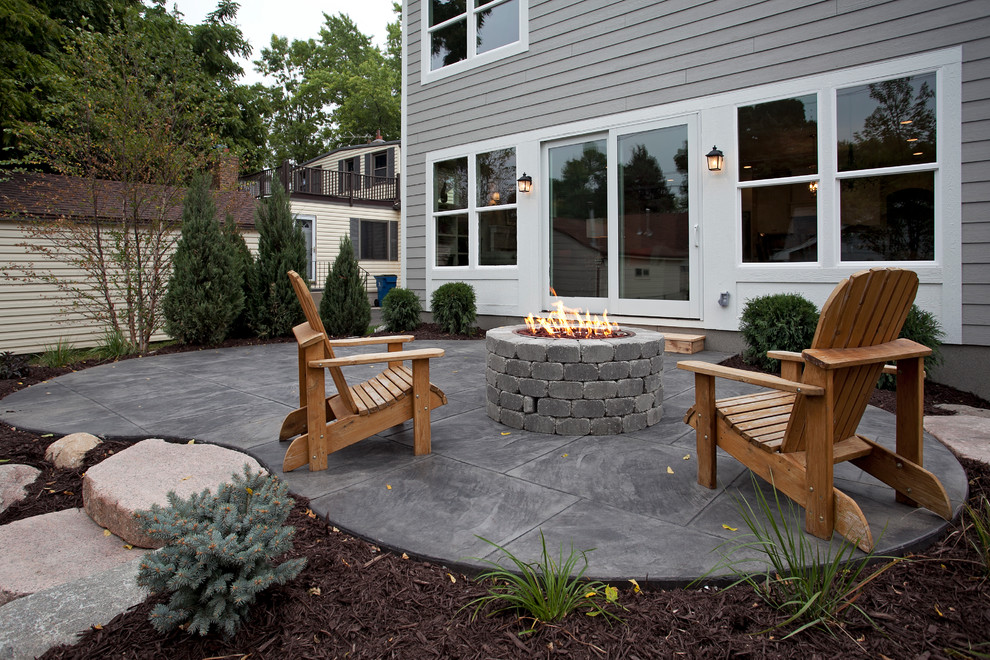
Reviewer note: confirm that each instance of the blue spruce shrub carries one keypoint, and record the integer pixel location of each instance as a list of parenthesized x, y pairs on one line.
[(219, 552)]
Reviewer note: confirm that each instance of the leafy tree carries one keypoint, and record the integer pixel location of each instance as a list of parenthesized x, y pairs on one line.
[(241, 273), (331, 90), (204, 293), (344, 308), (272, 305)]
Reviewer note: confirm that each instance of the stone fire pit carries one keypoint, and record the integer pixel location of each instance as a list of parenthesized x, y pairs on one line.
[(574, 386)]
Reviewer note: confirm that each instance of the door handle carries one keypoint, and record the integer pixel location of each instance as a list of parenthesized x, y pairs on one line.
[(697, 235)]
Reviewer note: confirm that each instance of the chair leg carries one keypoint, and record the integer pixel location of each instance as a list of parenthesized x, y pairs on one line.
[(316, 411), (910, 411), (820, 507), (704, 406), (421, 406)]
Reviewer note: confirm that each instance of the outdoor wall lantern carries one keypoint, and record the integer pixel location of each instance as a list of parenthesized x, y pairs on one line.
[(525, 183), (715, 159)]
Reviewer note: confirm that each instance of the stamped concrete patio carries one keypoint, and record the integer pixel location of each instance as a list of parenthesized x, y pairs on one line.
[(632, 497)]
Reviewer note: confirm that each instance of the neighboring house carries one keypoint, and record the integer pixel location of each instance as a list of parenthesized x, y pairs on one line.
[(854, 134), (349, 191), (31, 317)]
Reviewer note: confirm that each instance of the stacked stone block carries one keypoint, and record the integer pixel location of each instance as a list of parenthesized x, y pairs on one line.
[(574, 386)]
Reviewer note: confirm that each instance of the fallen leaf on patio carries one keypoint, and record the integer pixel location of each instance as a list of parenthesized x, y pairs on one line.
[(344, 562), (309, 512), (107, 532), (670, 470), (314, 591), (191, 442), (731, 529), (635, 585), (452, 578), (389, 486), (97, 626), (563, 455), (938, 610), (185, 478), (687, 457), (48, 435), (128, 546), (336, 531), (405, 556), (506, 433)]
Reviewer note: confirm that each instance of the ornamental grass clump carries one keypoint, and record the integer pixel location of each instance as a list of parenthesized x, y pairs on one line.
[(401, 310), (454, 308), (219, 553), (813, 583), (978, 530), (544, 591), (777, 322)]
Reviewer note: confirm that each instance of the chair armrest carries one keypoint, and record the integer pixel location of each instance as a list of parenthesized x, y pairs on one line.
[(368, 341), (752, 377), (306, 335), (372, 358), (785, 356), (839, 358)]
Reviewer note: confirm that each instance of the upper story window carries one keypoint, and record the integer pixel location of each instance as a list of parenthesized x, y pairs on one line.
[(474, 209), (380, 165), (463, 33)]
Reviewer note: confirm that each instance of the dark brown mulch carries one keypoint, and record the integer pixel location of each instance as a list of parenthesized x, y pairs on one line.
[(433, 331), (354, 601), (935, 393)]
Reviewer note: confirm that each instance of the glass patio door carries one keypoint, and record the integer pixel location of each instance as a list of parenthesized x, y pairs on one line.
[(623, 234)]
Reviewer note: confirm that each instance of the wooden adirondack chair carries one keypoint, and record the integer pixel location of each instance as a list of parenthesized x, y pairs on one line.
[(355, 412), (794, 435)]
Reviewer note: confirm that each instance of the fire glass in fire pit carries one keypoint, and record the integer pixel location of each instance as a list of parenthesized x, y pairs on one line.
[(566, 386)]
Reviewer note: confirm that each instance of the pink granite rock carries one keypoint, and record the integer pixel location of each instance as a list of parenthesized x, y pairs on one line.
[(14, 480), (143, 474), (966, 435), (69, 451), (52, 549)]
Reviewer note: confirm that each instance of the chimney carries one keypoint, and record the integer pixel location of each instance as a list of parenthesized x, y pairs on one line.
[(378, 138), (226, 171)]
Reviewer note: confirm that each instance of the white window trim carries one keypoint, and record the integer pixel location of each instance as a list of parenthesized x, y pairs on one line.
[(474, 60), (495, 271)]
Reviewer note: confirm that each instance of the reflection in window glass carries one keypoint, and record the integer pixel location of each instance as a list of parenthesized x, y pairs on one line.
[(778, 139), (374, 240), (497, 237), (452, 240), (444, 10), (496, 178), (498, 26), (578, 219), (450, 184), (888, 218), (653, 221), (448, 45), (886, 124), (780, 223)]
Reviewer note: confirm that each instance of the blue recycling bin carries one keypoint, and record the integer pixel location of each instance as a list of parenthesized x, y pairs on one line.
[(385, 283)]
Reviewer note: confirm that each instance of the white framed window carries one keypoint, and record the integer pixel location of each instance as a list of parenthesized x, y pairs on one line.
[(474, 210), (462, 34), (874, 164)]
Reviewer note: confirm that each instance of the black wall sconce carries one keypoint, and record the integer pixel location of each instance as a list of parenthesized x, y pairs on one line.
[(525, 183), (715, 159)]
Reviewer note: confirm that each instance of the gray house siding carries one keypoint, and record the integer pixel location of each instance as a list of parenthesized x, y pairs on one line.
[(597, 58)]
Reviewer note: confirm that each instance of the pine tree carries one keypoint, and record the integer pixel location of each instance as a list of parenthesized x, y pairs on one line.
[(344, 308), (243, 264), (202, 298), (273, 308), (219, 552)]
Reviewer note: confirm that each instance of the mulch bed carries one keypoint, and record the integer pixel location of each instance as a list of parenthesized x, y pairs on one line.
[(354, 600)]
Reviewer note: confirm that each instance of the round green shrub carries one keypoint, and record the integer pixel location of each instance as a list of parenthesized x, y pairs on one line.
[(777, 322), (453, 307), (924, 328), (401, 310)]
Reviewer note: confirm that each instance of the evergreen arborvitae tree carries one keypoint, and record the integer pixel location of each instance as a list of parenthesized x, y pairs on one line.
[(243, 263), (273, 308), (219, 552), (344, 308), (202, 298)]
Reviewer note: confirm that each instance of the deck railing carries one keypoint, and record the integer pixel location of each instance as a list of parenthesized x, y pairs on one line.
[(326, 183)]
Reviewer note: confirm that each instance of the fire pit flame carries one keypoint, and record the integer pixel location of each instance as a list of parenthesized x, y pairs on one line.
[(567, 322)]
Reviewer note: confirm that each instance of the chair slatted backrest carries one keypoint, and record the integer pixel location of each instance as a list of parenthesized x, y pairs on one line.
[(867, 309), (313, 318)]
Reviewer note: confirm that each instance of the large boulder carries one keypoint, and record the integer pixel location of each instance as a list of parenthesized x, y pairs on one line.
[(143, 474), (14, 480), (68, 452), (54, 548)]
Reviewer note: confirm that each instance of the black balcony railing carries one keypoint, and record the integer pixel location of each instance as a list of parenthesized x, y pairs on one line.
[(325, 183)]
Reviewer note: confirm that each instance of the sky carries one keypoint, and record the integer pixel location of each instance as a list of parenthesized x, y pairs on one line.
[(295, 19)]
